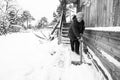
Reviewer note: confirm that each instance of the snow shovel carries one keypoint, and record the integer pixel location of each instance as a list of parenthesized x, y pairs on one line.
[(81, 55), (80, 52)]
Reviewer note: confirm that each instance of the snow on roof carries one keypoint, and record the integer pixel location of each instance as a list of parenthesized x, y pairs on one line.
[(113, 29)]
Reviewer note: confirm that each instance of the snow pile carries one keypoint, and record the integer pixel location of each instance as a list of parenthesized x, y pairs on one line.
[(82, 72), (23, 57), (62, 69), (113, 29)]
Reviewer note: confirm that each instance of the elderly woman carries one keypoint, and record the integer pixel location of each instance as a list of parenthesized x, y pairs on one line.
[(76, 28)]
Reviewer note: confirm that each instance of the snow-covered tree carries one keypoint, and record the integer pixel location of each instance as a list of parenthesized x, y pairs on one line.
[(5, 7), (55, 18), (12, 17), (26, 17), (43, 22)]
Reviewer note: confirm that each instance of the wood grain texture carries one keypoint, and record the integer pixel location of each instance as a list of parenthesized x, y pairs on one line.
[(102, 13), (108, 42)]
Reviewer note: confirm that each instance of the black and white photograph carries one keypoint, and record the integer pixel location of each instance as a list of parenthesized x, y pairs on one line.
[(59, 39)]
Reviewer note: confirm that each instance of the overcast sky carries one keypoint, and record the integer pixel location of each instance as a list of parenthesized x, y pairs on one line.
[(39, 8)]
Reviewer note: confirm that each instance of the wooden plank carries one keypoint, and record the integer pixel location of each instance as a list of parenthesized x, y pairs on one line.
[(107, 33), (102, 13), (109, 13), (107, 40), (55, 27), (64, 35), (110, 42), (112, 69), (110, 50), (66, 25), (64, 38), (114, 36), (66, 31), (87, 18), (115, 16), (65, 28), (114, 52)]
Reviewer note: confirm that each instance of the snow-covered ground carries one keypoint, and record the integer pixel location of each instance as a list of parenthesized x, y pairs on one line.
[(23, 56)]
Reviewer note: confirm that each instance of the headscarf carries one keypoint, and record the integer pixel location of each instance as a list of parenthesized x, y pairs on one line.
[(80, 15)]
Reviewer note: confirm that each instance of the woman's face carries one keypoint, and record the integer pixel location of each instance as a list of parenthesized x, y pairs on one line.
[(79, 18)]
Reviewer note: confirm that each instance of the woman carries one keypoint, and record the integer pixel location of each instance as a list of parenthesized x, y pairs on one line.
[(76, 28)]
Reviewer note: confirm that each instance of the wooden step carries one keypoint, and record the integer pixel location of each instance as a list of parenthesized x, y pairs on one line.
[(64, 35), (64, 38), (65, 31), (65, 28), (65, 42)]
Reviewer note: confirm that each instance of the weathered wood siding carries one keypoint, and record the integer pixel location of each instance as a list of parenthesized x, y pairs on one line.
[(102, 13), (106, 41), (116, 9)]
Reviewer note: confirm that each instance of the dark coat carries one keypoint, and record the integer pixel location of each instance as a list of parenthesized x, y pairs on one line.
[(75, 29)]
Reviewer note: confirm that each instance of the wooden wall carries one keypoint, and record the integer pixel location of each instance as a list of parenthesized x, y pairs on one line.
[(116, 9), (109, 42), (102, 13)]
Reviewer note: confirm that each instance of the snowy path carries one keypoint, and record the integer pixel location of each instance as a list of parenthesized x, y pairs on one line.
[(24, 57)]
